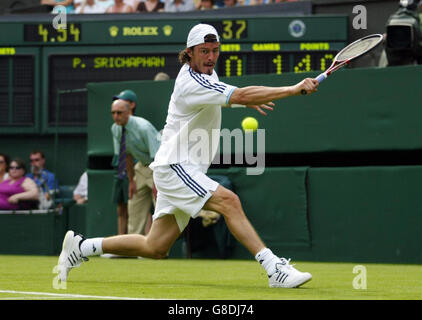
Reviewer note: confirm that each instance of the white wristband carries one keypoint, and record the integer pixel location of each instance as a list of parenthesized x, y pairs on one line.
[(237, 106)]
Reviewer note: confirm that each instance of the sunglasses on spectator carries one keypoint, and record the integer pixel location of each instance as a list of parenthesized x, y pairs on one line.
[(2, 161), (14, 168), (35, 160)]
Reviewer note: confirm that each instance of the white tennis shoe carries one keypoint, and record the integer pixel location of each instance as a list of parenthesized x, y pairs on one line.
[(286, 276), (71, 255)]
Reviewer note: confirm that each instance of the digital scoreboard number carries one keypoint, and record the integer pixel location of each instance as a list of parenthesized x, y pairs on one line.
[(272, 58), (46, 33), (230, 29)]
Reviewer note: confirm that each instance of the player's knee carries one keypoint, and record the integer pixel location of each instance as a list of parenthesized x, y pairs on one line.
[(231, 204), (159, 253)]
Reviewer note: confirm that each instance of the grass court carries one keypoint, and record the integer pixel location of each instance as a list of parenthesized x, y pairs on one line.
[(31, 278)]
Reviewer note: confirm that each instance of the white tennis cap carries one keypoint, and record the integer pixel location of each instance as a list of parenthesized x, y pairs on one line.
[(197, 34)]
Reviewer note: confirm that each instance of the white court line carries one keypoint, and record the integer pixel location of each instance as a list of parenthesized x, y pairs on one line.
[(68, 295)]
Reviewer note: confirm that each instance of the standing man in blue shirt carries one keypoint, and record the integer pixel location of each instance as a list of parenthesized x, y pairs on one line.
[(140, 140)]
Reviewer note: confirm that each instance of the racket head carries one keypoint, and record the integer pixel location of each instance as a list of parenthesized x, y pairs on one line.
[(358, 48)]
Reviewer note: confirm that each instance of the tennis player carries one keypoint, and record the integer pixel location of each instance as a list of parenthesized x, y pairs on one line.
[(180, 177)]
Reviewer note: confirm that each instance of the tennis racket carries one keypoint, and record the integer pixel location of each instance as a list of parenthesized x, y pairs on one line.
[(349, 53)]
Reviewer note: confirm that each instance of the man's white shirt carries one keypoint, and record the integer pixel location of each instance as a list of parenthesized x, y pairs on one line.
[(192, 130)]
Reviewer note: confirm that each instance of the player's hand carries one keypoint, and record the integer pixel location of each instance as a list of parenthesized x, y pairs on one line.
[(259, 108), (132, 188), (308, 85)]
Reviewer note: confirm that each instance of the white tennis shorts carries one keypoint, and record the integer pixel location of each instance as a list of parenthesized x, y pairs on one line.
[(182, 190)]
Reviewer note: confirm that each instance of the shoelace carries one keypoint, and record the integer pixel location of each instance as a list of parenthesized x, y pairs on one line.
[(285, 263)]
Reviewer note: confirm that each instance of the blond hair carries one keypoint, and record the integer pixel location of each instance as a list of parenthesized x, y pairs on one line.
[(184, 56)]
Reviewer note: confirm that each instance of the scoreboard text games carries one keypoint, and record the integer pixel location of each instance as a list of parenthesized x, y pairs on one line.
[(98, 51)]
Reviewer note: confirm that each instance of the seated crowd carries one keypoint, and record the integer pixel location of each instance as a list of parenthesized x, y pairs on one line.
[(133, 6), (35, 188)]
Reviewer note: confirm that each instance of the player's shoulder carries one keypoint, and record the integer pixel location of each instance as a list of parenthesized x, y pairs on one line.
[(195, 81)]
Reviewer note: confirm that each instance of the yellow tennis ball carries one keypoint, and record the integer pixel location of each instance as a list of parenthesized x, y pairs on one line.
[(250, 124)]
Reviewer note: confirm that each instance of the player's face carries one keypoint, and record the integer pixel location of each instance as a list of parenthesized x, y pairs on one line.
[(204, 57), (119, 112)]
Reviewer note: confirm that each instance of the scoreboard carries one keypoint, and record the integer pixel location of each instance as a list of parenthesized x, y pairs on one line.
[(97, 48)]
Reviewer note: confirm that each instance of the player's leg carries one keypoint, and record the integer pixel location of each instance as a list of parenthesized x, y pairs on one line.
[(164, 232), (280, 272), (228, 204)]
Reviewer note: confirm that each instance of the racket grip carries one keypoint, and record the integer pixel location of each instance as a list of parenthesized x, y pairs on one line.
[(321, 77)]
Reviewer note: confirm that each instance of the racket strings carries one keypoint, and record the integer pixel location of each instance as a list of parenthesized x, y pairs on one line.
[(358, 48)]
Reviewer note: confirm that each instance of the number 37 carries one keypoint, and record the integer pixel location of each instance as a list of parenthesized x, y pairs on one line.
[(234, 29)]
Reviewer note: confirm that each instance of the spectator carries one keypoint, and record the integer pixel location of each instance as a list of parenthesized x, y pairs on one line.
[(54, 3), (80, 194), (77, 4), (119, 7), (160, 76), (105, 4), (132, 3), (230, 3), (18, 192), (89, 6), (258, 2), (4, 166), (44, 179), (179, 5), (150, 6), (206, 5)]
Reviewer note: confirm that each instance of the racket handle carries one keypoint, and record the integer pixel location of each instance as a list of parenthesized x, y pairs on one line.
[(320, 78)]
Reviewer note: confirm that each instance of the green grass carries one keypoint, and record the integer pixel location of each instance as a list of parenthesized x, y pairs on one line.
[(203, 280)]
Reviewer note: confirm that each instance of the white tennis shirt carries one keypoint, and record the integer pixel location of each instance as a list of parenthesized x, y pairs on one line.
[(192, 130)]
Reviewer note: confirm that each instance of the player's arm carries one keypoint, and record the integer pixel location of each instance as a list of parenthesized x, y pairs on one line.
[(262, 95)]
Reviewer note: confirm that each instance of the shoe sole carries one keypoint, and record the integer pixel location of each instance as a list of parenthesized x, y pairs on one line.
[(65, 245), (63, 270)]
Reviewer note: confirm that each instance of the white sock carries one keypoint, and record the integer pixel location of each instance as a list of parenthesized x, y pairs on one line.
[(92, 247), (267, 259)]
